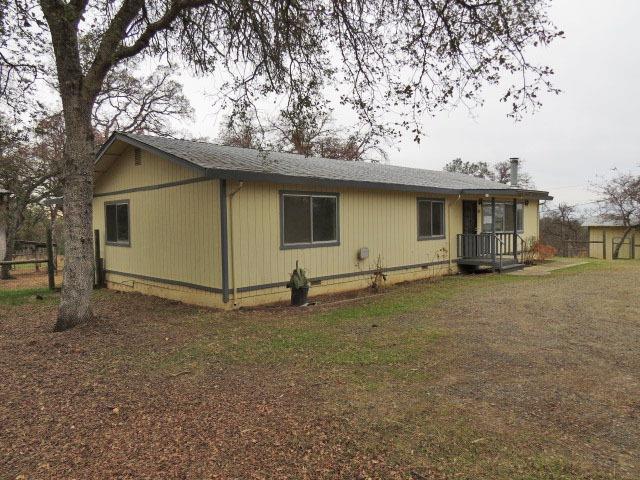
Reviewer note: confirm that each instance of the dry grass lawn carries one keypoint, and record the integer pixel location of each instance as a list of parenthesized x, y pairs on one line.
[(475, 377)]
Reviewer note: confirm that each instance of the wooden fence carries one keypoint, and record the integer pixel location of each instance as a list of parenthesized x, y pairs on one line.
[(49, 259)]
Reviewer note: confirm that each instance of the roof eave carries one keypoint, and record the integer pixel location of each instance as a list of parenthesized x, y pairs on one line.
[(243, 175), (149, 148), (508, 192), (246, 176)]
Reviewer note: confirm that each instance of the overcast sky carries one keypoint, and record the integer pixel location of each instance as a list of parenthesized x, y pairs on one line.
[(577, 136)]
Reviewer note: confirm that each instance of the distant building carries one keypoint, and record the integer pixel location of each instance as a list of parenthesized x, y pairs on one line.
[(605, 235)]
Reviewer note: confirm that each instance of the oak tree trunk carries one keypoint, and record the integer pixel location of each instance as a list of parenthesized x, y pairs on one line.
[(78, 94), (78, 157)]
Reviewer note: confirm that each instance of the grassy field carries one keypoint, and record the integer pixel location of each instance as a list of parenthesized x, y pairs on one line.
[(467, 377)]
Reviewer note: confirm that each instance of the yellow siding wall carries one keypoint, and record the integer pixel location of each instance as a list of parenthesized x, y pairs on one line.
[(596, 235), (531, 220), (175, 231), (385, 222), (175, 236), (595, 249), (124, 174)]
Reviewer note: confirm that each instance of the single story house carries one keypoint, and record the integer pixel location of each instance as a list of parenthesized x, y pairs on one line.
[(224, 226), (605, 235)]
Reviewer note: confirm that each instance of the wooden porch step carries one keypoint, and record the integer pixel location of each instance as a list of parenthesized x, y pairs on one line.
[(508, 267), (508, 264)]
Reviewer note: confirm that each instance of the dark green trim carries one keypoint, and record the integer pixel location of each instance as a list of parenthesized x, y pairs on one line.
[(291, 246), (265, 286), (535, 194), (224, 241), (169, 282), (153, 187), (444, 218), (106, 236), (494, 242), (515, 227), (344, 275)]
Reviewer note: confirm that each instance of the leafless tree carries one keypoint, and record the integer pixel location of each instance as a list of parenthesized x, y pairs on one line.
[(503, 174), (306, 132), (418, 55), (476, 169), (29, 168), (241, 131), (620, 201), (127, 103), (361, 146), (560, 226), (498, 172)]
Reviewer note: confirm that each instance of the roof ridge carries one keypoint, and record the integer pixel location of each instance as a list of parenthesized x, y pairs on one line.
[(316, 157), (286, 167)]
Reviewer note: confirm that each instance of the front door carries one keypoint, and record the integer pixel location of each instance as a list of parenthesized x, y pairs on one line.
[(469, 244), (469, 216)]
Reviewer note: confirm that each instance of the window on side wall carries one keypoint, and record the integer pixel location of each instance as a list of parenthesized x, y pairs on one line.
[(430, 219), (309, 219), (117, 223), (504, 217)]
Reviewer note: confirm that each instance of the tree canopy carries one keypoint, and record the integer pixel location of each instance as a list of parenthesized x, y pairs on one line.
[(498, 172), (311, 133)]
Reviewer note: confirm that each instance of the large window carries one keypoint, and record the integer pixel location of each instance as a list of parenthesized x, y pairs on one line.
[(430, 219), (309, 219), (117, 222), (504, 217)]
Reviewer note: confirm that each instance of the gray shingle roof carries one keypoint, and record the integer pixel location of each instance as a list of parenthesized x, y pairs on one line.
[(605, 222), (250, 164)]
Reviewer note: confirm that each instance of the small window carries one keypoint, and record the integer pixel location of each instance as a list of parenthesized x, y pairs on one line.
[(309, 219), (117, 222), (504, 217), (430, 219)]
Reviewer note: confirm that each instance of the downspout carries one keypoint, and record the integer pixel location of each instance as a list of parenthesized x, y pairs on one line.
[(224, 241), (231, 243), (449, 227)]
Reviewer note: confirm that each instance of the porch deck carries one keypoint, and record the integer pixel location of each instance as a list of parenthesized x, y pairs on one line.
[(497, 251)]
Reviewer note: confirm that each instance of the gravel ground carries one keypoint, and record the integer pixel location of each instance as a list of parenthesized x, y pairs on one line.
[(472, 377)]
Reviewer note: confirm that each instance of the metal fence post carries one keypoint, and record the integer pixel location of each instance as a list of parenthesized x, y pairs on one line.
[(604, 244)]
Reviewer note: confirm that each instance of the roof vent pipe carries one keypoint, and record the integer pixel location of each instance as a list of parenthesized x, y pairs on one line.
[(514, 161)]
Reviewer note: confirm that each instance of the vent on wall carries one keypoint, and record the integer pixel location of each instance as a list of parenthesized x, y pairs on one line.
[(137, 155)]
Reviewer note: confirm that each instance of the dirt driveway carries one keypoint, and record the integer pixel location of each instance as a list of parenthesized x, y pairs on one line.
[(476, 377)]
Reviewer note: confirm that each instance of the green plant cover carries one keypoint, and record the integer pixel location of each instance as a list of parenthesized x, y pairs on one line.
[(298, 279)]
